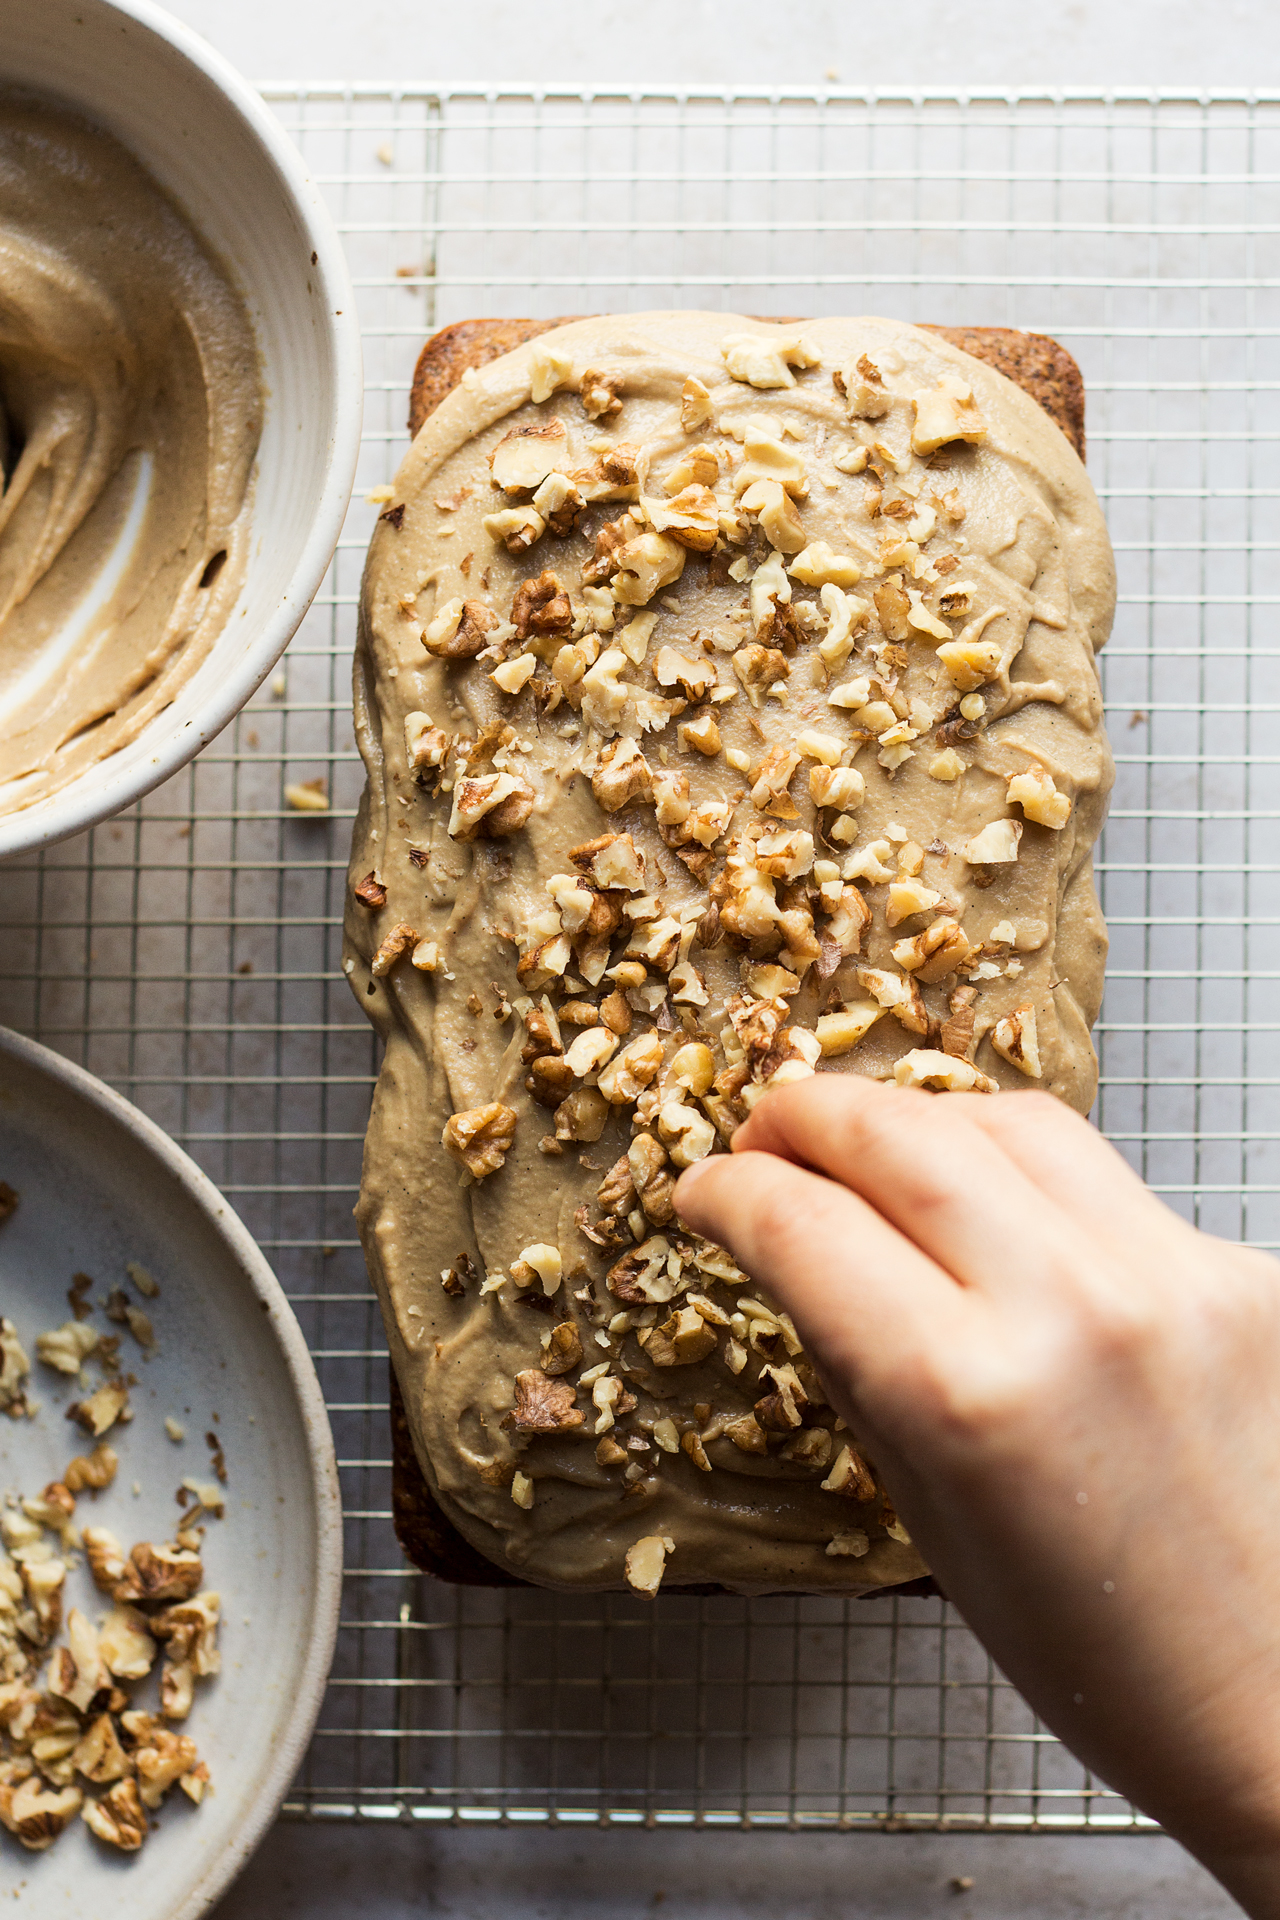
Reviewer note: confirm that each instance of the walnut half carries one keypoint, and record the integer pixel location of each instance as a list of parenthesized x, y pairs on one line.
[(543, 1405), (480, 1138)]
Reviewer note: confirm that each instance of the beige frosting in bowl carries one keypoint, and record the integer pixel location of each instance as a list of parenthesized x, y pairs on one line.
[(813, 785), (131, 399)]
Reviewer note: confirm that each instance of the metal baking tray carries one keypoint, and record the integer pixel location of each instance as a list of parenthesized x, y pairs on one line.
[(188, 951)]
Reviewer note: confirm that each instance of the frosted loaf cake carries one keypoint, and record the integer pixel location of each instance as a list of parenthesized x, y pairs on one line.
[(728, 699)]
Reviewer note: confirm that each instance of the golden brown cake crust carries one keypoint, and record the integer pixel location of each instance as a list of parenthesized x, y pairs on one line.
[(1032, 361), (467, 343)]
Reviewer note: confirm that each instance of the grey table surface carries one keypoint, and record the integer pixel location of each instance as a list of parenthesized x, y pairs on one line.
[(307, 1872)]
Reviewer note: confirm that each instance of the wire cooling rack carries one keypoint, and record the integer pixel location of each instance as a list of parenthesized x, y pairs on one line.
[(188, 950)]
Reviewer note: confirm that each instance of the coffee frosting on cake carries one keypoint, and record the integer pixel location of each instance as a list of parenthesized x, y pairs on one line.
[(728, 698)]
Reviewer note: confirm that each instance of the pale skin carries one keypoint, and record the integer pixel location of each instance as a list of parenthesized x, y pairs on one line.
[(1073, 1398)]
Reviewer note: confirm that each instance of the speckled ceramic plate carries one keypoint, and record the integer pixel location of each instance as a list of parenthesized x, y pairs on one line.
[(101, 1185)]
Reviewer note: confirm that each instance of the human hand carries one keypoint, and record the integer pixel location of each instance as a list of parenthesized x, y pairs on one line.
[(1073, 1398)]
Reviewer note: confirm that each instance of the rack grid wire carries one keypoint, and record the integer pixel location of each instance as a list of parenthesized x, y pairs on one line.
[(188, 950)]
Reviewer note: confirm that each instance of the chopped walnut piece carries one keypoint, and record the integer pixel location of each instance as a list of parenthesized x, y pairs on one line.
[(691, 517), (616, 1191), (581, 1115), (400, 940), (641, 1277), (970, 660), (946, 765), (524, 457), (522, 1491), (599, 394), (854, 1543), (125, 1643), (190, 1630), (98, 1755), (758, 668), (96, 1471), (161, 1757), (158, 1573), (561, 503), (370, 891), (782, 1410), (118, 1817), (515, 528), (492, 804), (946, 413), (849, 1477), (610, 540), (622, 775), (819, 565), (680, 1341), (775, 510), (702, 734), (644, 565), (543, 1405), (863, 388), (1015, 1039), (610, 1454), (695, 405), (541, 1261), (907, 898), (898, 994), (100, 1411), (841, 1030), (621, 463), (456, 1279), (563, 1350), (480, 1138), (15, 1368), (38, 1814), (923, 1068), (996, 845), (589, 1051), (549, 1079), (612, 860), (463, 637), (956, 1036), (646, 1563), (1035, 792), (672, 669), (765, 360), (541, 606), (76, 1671), (631, 1070), (653, 1183), (933, 954), (773, 776), (195, 1783), (65, 1348), (811, 1448), (893, 607), (616, 1014), (747, 1434)]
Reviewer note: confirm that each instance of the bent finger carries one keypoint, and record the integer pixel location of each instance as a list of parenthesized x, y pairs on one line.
[(1062, 1154), (864, 1299), (922, 1163)]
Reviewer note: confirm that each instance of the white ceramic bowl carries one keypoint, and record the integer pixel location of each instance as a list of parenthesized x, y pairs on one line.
[(100, 1185), (213, 145)]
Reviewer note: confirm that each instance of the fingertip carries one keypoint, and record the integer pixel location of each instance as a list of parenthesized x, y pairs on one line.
[(685, 1196)]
